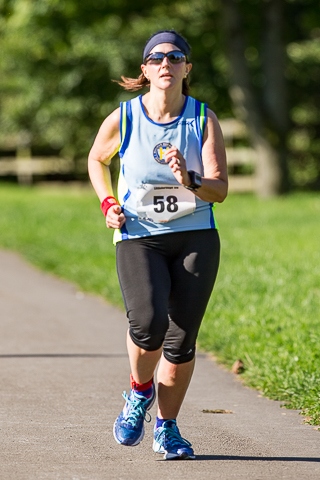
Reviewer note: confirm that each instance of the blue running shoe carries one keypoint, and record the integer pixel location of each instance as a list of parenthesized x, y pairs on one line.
[(167, 440), (128, 428)]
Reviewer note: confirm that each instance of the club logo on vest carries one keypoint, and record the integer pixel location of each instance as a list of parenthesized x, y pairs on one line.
[(159, 152)]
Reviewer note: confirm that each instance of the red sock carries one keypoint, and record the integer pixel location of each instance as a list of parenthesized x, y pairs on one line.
[(140, 387)]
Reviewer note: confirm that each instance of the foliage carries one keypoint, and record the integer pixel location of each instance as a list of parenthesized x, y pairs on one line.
[(265, 305), (58, 60), (303, 74)]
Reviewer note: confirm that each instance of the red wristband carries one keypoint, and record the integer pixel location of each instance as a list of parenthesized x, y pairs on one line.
[(107, 203)]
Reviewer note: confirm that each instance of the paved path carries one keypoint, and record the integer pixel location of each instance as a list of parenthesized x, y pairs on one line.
[(63, 367)]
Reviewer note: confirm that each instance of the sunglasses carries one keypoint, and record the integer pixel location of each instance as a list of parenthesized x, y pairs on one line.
[(174, 57)]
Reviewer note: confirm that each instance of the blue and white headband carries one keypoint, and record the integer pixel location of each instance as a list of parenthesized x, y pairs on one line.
[(166, 37)]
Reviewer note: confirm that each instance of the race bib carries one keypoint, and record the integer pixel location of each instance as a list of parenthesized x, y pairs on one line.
[(163, 203)]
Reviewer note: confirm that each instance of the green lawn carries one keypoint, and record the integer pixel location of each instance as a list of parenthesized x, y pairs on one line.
[(265, 308)]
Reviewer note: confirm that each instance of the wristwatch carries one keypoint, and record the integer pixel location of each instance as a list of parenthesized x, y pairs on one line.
[(195, 179)]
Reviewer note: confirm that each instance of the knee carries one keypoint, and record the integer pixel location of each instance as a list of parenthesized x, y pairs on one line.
[(179, 355), (148, 341), (148, 330)]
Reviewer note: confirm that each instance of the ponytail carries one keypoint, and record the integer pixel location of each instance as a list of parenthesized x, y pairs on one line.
[(134, 84)]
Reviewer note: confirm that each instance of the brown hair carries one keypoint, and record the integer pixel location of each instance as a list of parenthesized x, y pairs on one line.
[(134, 84)]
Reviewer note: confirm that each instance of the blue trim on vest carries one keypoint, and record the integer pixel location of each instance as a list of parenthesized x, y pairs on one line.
[(212, 222), (127, 195), (128, 126), (200, 131), (120, 125), (124, 232), (197, 115), (205, 118)]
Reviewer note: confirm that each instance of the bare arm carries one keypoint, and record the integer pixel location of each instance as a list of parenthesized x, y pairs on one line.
[(215, 180), (105, 146)]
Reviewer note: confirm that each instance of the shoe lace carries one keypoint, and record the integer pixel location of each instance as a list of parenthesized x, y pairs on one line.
[(169, 435), (137, 408)]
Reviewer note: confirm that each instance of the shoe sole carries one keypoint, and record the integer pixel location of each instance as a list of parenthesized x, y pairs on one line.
[(184, 456), (171, 456)]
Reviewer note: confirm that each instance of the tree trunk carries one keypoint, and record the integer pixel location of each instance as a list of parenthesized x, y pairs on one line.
[(266, 118), (275, 89)]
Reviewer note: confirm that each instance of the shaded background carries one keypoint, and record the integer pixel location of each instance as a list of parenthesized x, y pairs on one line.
[(254, 60)]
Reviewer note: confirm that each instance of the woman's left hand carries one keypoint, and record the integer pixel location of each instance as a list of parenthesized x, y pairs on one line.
[(177, 163)]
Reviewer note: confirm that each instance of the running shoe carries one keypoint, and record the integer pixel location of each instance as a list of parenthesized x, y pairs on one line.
[(167, 440), (128, 428)]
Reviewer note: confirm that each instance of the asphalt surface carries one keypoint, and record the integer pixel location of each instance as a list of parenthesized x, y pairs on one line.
[(63, 368)]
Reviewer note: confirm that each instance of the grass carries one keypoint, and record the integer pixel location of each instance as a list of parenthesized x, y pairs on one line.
[(265, 308), (266, 303), (61, 230)]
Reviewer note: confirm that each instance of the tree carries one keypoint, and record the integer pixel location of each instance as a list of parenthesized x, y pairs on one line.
[(58, 60), (259, 85), (264, 110)]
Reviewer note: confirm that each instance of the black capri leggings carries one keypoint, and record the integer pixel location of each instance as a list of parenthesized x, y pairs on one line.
[(166, 282)]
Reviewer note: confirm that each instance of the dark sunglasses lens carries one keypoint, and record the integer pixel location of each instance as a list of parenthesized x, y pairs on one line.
[(173, 57), (176, 57), (156, 58)]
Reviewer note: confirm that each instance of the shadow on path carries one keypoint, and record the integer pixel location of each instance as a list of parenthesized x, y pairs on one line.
[(65, 355), (258, 459)]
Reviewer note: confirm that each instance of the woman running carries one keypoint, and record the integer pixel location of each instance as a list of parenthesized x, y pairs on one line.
[(172, 171)]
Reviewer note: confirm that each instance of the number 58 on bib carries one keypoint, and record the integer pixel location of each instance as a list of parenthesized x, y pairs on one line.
[(163, 203)]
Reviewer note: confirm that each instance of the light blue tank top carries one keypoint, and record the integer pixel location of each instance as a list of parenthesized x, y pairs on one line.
[(152, 199)]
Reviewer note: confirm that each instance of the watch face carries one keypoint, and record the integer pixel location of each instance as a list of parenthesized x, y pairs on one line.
[(197, 179)]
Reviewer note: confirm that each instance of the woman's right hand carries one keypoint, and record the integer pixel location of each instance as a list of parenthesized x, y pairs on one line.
[(115, 217), (178, 165)]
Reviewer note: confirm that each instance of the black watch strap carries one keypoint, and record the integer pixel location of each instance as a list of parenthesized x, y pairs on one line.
[(195, 179)]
